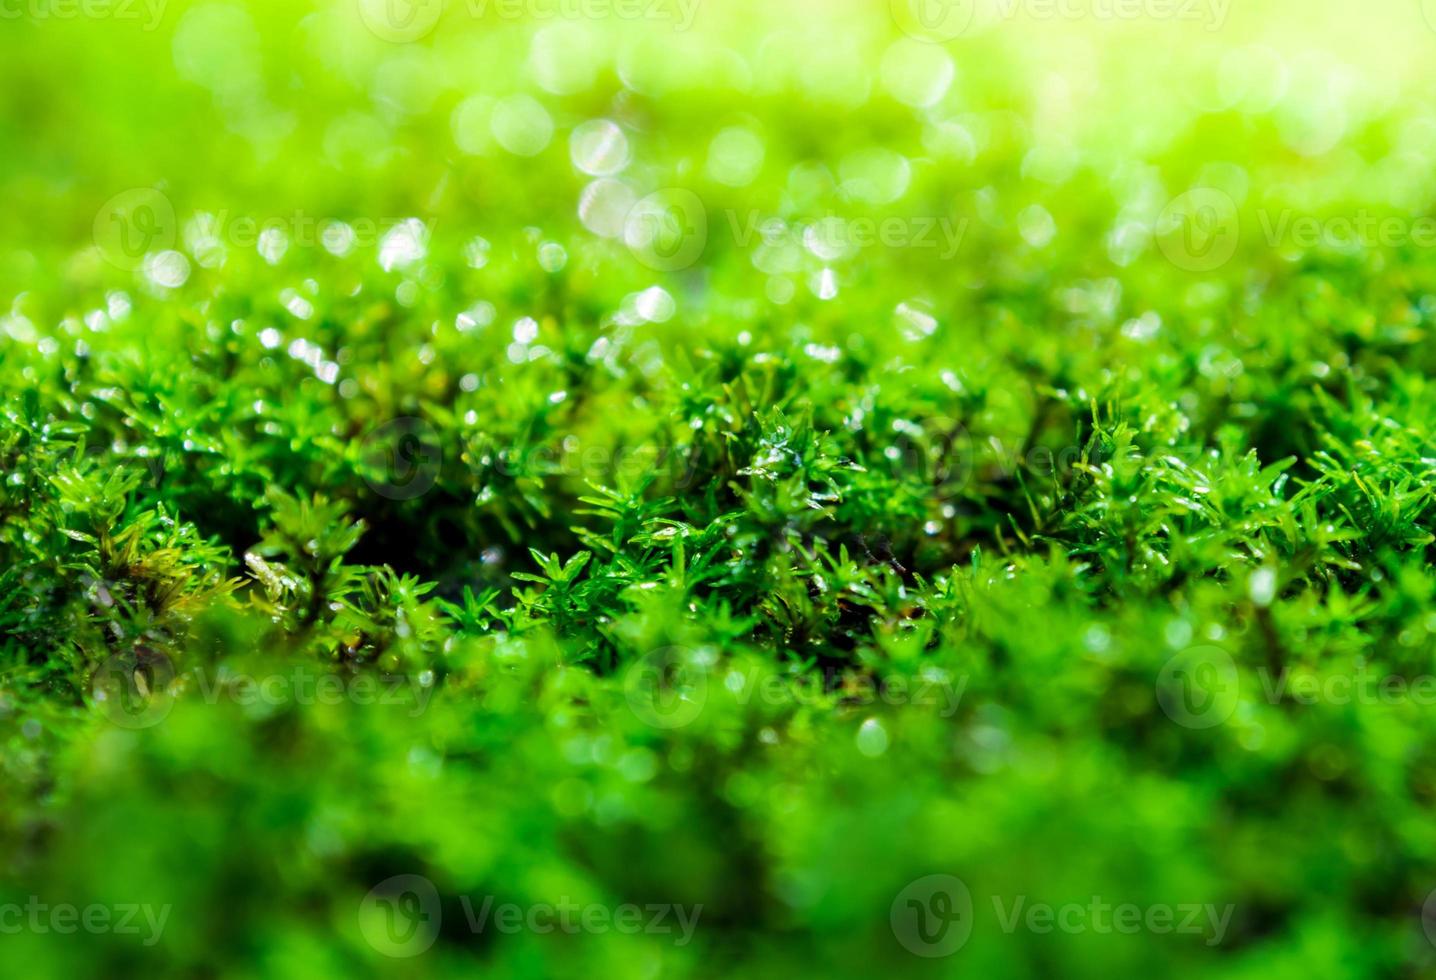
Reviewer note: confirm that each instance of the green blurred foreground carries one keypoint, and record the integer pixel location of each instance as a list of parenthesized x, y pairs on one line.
[(665, 489)]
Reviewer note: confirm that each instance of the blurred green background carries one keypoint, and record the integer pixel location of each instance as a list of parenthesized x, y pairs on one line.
[(531, 223)]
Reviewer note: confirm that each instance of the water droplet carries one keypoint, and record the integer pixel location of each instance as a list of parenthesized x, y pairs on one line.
[(1036, 225), (655, 304), (828, 239), (521, 125), (826, 354), (779, 290), (604, 206), (526, 330), (565, 58), (273, 244), (296, 304), (598, 147), (338, 238), (872, 738), (1262, 586), (169, 269), (735, 156), (476, 253), (916, 323), (404, 244), (481, 314), (917, 74), (824, 284), (552, 257)]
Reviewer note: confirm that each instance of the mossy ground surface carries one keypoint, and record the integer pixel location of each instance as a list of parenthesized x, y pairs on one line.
[(752, 465)]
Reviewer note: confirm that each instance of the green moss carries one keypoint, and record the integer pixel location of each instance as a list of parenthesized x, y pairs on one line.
[(966, 523)]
